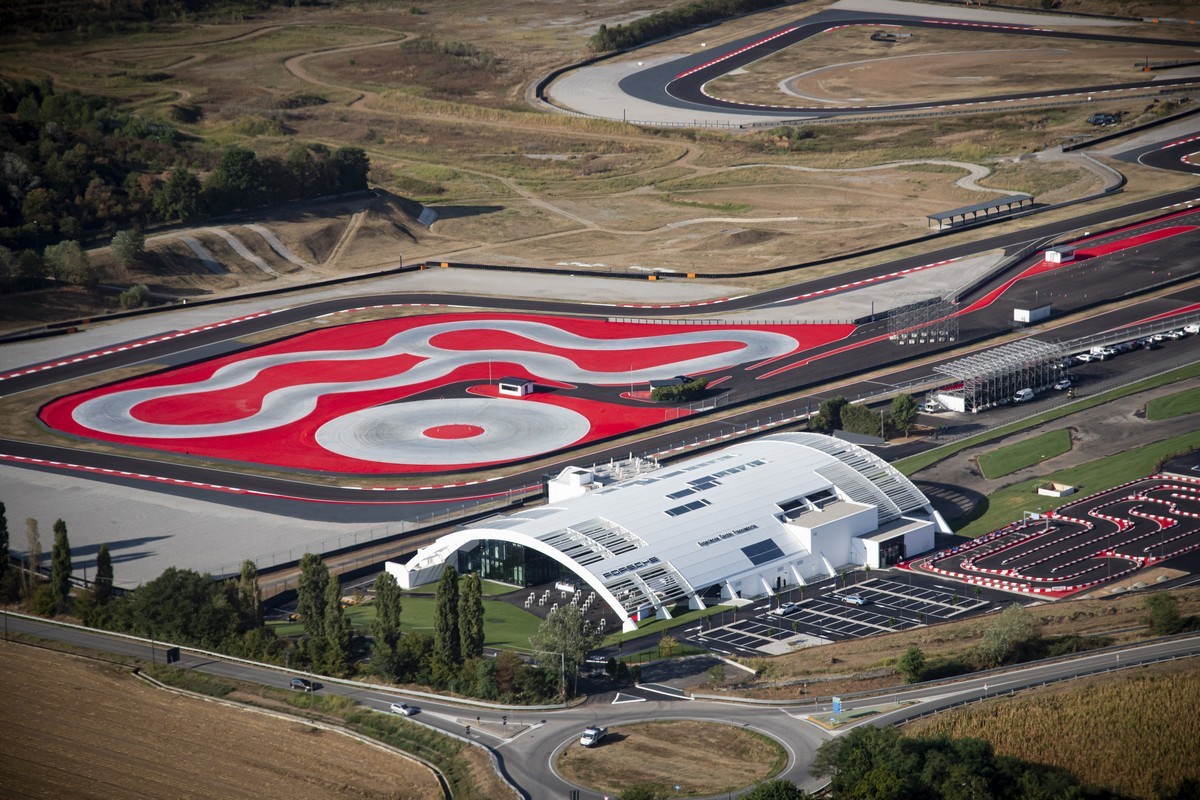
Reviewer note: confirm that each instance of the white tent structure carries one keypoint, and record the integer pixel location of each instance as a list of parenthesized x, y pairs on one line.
[(744, 521)]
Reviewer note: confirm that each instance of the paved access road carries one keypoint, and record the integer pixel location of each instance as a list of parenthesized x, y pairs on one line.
[(527, 746)]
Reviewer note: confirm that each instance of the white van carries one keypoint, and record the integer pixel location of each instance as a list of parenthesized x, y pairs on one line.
[(1023, 396)]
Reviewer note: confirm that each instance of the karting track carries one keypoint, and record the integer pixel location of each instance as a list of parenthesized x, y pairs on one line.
[(1083, 544), (1163, 248), (680, 83), (345, 399), (416, 394)]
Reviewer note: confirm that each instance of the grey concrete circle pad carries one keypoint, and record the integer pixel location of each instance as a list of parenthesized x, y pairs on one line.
[(399, 433)]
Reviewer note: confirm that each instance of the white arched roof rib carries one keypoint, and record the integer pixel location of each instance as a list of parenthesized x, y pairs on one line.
[(862, 475), (461, 538)]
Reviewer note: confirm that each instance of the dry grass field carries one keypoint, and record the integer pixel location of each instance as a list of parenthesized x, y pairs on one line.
[(1136, 732), (655, 752), (84, 729), (436, 94)]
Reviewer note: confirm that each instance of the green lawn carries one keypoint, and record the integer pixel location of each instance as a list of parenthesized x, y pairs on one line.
[(1006, 505), (504, 625), (1175, 405), (1010, 458)]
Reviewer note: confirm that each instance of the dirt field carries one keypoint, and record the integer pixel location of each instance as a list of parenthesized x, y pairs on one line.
[(82, 729), (435, 94), (659, 752)]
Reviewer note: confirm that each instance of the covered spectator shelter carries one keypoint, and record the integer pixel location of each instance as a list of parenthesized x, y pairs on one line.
[(972, 213)]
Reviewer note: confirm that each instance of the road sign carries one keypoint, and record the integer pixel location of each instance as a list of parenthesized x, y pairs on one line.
[(837, 705)]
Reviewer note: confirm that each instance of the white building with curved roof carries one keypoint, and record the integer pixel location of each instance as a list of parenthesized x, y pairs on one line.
[(742, 522)]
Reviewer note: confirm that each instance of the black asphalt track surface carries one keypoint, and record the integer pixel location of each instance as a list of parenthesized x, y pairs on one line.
[(679, 83)]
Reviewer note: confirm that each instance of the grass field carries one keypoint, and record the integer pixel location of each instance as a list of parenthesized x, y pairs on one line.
[(1175, 405), (504, 625), (1010, 458), (913, 465), (1134, 732), (666, 754), (1009, 503)]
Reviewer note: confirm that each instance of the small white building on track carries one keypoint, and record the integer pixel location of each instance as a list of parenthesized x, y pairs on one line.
[(743, 522)]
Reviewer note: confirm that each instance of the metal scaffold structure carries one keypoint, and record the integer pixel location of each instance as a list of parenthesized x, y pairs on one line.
[(931, 320), (992, 377)]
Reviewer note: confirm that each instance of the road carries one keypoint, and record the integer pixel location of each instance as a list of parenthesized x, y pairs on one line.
[(868, 349), (527, 743)]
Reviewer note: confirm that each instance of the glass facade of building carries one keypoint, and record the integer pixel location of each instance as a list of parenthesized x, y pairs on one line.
[(512, 563)]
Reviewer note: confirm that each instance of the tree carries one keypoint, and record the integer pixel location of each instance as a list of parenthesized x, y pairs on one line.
[(102, 586), (903, 412), (668, 645), (310, 594), (128, 246), (60, 564), (336, 652), (1163, 615), (912, 664), (237, 182), (33, 556), (249, 595), (69, 262), (565, 631), (1009, 639), (470, 617), (179, 197), (858, 418), (829, 417), (352, 166), (447, 643), (775, 790), (181, 605), (385, 628)]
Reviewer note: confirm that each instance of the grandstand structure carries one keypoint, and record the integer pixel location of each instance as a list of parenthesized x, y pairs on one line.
[(930, 320), (990, 378)]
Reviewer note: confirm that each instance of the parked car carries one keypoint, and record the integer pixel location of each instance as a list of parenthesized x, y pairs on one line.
[(1063, 383), (1159, 337), (1175, 334), (1085, 358), (854, 599), (404, 708), (592, 736), (302, 684), (932, 407), (1022, 396), (785, 608), (1193, 328)]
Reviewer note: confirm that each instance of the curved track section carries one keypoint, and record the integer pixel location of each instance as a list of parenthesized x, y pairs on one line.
[(679, 84)]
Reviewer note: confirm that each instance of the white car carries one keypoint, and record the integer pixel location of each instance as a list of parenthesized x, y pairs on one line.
[(403, 708), (1086, 357), (592, 736), (1176, 334), (1063, 383), (1193, 328), (786, 608), (1160, 337)]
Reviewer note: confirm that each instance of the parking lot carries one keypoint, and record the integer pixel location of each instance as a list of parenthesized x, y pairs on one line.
[(889, 603)]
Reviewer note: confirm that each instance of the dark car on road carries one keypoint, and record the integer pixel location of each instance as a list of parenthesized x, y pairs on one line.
[(302, 684)]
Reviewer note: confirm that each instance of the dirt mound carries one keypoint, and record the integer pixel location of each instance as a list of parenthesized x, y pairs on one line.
[(735, 238)]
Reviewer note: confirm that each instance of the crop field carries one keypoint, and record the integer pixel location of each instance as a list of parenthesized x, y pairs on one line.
[(1135, 732)]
